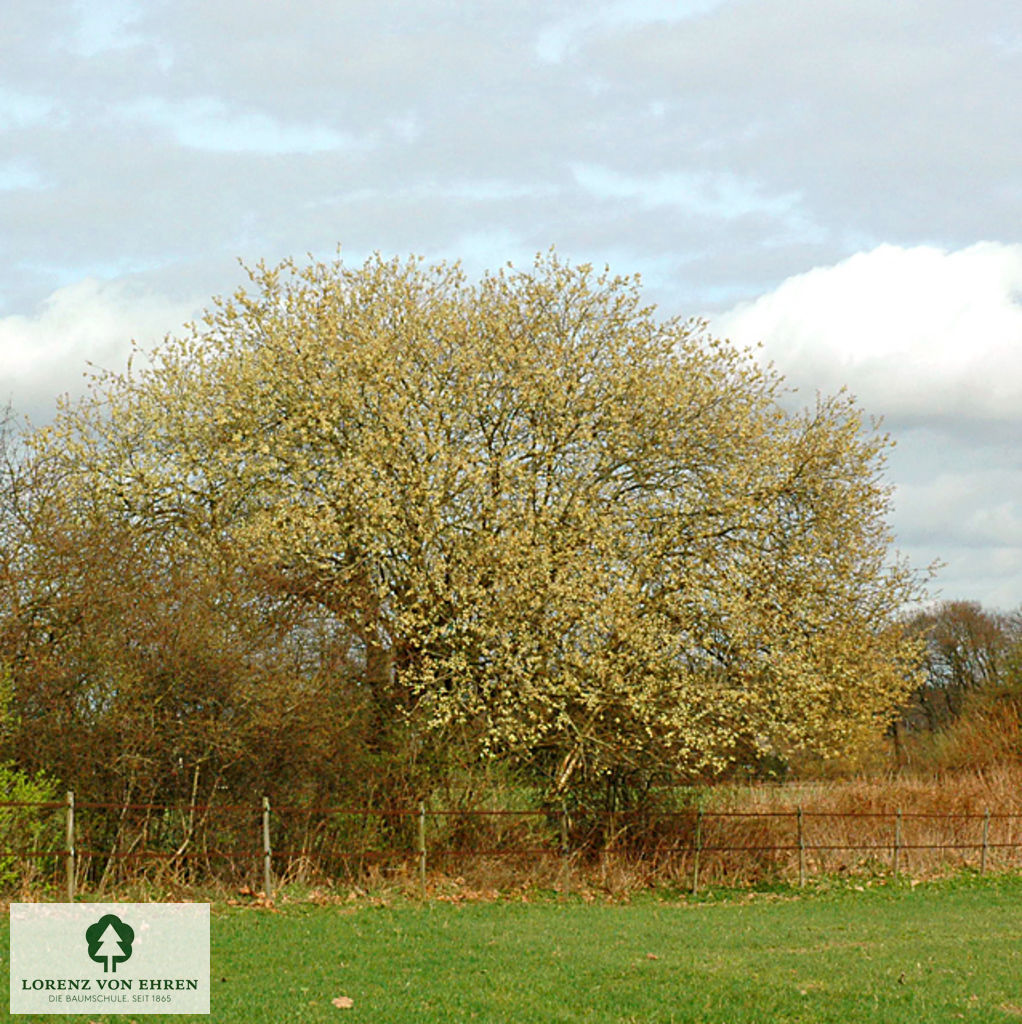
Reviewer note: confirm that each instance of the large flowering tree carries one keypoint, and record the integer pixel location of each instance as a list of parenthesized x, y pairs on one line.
[(575, 533)]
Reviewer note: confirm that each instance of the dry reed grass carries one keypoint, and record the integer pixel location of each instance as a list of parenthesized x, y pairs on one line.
[(750, 834), (853, 825)]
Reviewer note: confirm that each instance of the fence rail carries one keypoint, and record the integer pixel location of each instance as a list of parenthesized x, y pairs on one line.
[(275, 843)]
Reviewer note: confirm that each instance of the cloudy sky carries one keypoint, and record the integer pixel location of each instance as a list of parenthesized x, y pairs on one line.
[(840, 180)]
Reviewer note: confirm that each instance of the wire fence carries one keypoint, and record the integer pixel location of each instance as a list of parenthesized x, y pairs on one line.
[(71, 846)]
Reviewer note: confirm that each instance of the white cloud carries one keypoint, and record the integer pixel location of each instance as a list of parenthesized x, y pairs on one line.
[(980, 506), (913, 332), (91, 321), (931, 340), (22, 109), (207, 123), (726, 196), (989, 575), (15, 175), (101, 25), (562, 37)]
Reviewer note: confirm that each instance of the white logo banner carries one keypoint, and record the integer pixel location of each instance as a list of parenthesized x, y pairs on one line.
[(95, 958)]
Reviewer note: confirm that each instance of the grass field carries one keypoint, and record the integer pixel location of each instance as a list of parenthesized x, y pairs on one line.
[(891, 953)]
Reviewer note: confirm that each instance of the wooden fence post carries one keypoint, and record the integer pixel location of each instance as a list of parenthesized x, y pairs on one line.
[(564, 844), (422, 848), (267, 852), (801, 851), (986, 843), (69, 847), (697, 851), (897, 841)]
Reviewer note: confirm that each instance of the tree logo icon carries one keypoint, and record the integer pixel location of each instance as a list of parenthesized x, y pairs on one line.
[(109, 942)]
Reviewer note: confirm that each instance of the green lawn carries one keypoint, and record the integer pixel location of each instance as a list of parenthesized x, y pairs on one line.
[(941, 952)]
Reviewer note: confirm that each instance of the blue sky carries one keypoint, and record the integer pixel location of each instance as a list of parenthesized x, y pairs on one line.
[(840, 180)]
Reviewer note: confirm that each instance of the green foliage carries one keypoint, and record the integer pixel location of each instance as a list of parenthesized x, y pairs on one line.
[(27, 830)]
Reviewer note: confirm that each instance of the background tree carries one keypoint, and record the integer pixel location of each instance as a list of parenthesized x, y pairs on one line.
[(966, 649), (550, 527), (967, 712)]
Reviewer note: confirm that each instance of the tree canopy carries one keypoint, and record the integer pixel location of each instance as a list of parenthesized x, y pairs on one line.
[(524, 512)]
